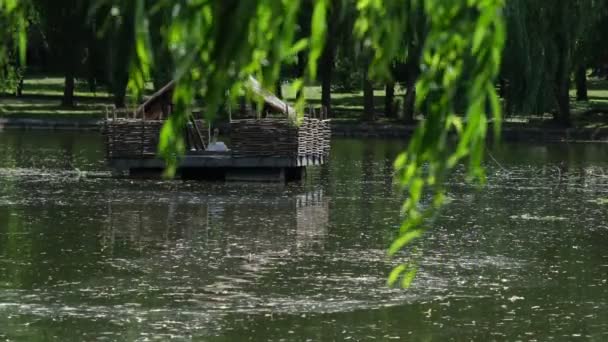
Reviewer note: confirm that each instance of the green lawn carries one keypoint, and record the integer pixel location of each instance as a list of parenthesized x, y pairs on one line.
[(345, 105), (598, 101), (42, 99), (46, 86)]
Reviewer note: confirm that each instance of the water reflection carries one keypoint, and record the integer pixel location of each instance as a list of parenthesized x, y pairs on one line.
[(160, 222)]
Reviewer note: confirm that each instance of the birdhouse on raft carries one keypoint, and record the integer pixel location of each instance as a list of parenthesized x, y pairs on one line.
[(263, 143)]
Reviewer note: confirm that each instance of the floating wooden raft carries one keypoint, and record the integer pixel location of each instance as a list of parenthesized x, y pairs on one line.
[(279, 138)]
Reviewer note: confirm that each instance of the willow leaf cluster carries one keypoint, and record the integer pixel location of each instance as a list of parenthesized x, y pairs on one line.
[(463, 47), (13, 19)]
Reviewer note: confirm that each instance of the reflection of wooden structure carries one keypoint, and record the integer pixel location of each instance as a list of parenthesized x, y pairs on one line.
[(272, 148), (312, 218), (267, 223)]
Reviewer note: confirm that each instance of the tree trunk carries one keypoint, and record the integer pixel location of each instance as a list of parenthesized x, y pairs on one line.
[(119, 99), (368, 99), (409, 103), (119, 82), (120, 90), (300, 70), (389, 100), (279, 88), (19, 90), (562, 95), (68, 89), (562, 80), (326, 92), (327, 69), (581, 84)]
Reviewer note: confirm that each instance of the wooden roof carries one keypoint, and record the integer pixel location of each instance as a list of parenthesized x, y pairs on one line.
[(165, 91), (252, 85), (269, 98)]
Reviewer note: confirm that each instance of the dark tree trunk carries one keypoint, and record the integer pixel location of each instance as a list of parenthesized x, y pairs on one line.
[(562, 96), (19, 90), (300, 70), (279, 88), (562, 86), (368, 99), (581, 84), (505, 86), (389, 100), (120, 94), (563, 72), (409, 103), (327, 69), (119, 99), (326, 92), (68, 89), (120, 90), (502, 88)]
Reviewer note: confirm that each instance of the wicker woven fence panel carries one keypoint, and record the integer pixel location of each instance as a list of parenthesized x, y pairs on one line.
[(264, 137), (325, 130), (133, 138), (279, 138), (129, 138)]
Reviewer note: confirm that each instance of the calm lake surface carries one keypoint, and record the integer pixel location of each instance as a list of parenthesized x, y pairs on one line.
[(86, 257)]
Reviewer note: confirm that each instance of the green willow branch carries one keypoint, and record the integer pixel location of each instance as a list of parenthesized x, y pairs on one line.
[(461, 58), (464, 47), (13, 34)]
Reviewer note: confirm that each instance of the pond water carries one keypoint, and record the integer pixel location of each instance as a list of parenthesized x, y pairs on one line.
[(86, 257)]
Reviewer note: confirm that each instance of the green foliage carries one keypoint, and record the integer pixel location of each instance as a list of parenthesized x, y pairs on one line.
[(546, 42), (464, 46), (347, 74), (11, 78), (13, 36)]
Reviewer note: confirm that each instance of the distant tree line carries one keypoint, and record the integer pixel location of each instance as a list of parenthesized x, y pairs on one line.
[(550, 47)]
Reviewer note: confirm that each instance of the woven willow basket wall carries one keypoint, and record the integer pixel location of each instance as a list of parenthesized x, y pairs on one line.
[(279, 138)]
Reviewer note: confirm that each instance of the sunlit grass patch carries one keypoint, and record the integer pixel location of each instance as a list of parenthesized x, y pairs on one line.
[(49, 108)]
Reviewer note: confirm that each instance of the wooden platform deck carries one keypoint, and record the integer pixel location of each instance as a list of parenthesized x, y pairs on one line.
[(218, 160), (222, 166)]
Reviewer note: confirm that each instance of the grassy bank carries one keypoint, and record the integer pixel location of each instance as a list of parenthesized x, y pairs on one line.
[(42, 99)]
